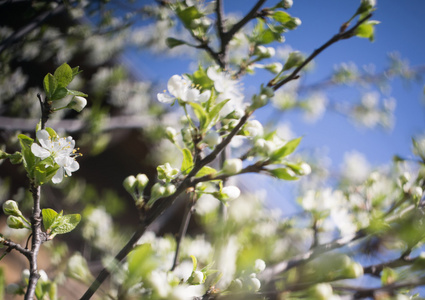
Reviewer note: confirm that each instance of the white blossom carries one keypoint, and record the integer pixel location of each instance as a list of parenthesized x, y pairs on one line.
[(181, 88), (60, 149), (227, 89)]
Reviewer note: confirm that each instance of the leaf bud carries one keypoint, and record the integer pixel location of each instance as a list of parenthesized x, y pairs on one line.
[(10, 207), (130, 184), (77, 103), (16, 158), (232, 166), (15, 222)]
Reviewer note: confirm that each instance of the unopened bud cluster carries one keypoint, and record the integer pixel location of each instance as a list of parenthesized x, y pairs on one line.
[(15, 217), (135, 185)]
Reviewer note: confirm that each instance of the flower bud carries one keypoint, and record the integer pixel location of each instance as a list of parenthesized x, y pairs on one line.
[(158, 191), (13, 288), (15, 222), (254, 128), (263, 146), (142, 181), (264, 52), (236, 285), (259, 266), (171, 134), (354, 270), (212, 138), (275, 67), (305, 169), (268, 91), (77, 103), (232, 166), (294, 60), (259, 101), (197, 277), (77, 268), (10, 207), (253, 283), (230, 193), (169, 189), (287, 4), (43, 276), (130, 184), (321, 291)]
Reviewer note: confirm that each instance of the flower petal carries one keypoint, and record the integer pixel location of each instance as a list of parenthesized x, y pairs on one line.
[(39, 151), (58, 176), (165, 98), (205, 96)]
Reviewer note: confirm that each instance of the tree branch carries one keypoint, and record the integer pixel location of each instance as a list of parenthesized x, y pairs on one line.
[(284, 266), (337, 37)]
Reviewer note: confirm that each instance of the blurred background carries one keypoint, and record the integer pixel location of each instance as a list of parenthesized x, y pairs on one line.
[(356, 106)]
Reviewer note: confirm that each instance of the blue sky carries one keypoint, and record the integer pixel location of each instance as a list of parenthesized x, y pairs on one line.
[(400, 30)]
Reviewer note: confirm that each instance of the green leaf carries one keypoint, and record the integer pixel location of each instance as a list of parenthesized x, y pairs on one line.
[(367, 30), (188, 15), (141, 262), (388, 276), (51, 132), (281, 16), (60, 93), (284, 173), (28, 156), (172, 42), (195, 263), (206, 170), (76, 93), (286, 149), (45, 170), (67, 224), (200, 78), (187, 163), (75, 71), (49, 216), (50, 85), (201, 114), (215, 111), (63, 75)]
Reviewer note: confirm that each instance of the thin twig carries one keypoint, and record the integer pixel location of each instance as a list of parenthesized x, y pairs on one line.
[(183, 228), (337, 37)]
